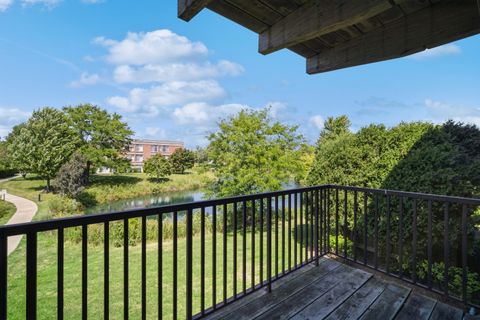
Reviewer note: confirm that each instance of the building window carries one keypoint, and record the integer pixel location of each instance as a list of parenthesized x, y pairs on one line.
[(139, 147), (154, 148), (138, 158), (164, 148)]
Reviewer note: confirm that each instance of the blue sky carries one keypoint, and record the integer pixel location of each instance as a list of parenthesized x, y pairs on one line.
[(173, 80)]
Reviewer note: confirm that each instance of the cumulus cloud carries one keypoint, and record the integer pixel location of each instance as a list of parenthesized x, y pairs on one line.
[(440, 111), (5, 4), (204, 113), (168, 94), (11, 117), (46, 3), (317, 121), (445, 50), (156, 47), (175, 72), (86, 79), (156, 132)]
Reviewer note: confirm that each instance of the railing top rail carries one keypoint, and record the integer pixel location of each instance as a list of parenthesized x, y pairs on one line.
[(407, 194), (76, 221)]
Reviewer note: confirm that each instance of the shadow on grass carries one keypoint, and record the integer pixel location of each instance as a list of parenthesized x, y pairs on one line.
[(86, 199), (113, 180), (158, 180)]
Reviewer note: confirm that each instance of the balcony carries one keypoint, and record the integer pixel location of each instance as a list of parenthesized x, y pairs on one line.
[(316, 252)]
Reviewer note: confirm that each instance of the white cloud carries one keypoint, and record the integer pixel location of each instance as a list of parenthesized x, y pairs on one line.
[(445, 50), (10, 117), (156, 132), (156, 47), (175, 72), (317, 121), (5, 4), (167, 94), (86, 79), (204, 113), (46, 3), (441, 111), (93, 1)]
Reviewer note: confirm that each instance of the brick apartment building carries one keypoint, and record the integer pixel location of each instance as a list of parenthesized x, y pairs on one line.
[(140, 150)]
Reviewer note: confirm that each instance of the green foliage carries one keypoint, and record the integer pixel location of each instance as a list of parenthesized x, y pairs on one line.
[(251, 153), (7, 209), (157, 166), (71, 178), (44, 143), (181, 160), (64, 207), (103, 136), (17, 160)]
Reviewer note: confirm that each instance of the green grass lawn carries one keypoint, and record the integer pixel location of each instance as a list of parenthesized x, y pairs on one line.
[(47, 271), (6, 211)]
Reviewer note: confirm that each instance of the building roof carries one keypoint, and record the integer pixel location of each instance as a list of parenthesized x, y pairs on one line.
[(151, 141), (335, 34)]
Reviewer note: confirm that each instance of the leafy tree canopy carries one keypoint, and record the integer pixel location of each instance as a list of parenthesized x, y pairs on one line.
[(157, 166), (253, 153), (71, 178), (103, 136), (181, 160)]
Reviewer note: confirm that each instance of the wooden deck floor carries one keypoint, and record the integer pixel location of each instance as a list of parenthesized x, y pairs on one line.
[(336, 291)]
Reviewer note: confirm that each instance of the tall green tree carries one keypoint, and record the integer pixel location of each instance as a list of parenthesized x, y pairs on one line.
[(17, 156), (252, 153), (181, 160), (157, 166), (44, 143), (103, 136)]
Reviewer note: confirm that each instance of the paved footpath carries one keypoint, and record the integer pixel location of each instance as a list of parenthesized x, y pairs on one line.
[(26, 209)]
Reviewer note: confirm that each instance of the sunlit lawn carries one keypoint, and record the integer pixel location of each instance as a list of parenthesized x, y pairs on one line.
[(47, 276)]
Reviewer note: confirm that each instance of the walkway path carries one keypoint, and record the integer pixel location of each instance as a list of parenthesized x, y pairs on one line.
[(26, 209)]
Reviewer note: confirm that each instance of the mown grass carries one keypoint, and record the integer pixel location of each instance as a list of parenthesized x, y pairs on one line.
[(47, 273), (6, 211)]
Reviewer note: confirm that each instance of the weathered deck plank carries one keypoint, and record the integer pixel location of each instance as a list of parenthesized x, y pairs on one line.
[(324, 305), (443, 311), (296, 302), (257, 306), (355, 306), (387, 304), (416, 307)]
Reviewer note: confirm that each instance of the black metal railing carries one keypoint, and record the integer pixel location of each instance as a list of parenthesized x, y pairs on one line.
[(195, 258)]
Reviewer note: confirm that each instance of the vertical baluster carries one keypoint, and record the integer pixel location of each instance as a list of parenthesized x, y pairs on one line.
[(316, 229), (375, 249), (400, 231), (84, 272), (125, 269), (289, 232), (234, 250), (295, 222), (301, 228), (261, 241), (336, 221), (202, 260), (214, 257), (312, 223), (345, 224), (189, 264), (160, 264), (320, 225), (414, 249), (355, 229), (60, 273), (144, 267), (276, 236), (175, 264), (283, 234), (3, 275), (106, 270), (252, 263), (307, 229), (244, 247), (429, 244), (446, 246), (388, 235), (32, 277), (225, 253), (269, 243), (464, 253), (365, 228), (328, 220)]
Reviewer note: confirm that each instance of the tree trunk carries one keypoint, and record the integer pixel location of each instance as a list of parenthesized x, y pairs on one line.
[(48, 184), (87, 173)]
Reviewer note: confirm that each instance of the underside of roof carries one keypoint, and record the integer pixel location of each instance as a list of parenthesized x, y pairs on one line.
[(335, 34)]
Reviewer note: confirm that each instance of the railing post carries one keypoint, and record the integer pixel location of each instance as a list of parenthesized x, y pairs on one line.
[(3, 276), (189, 292), (31, 276), (269, 244), (316, 227)]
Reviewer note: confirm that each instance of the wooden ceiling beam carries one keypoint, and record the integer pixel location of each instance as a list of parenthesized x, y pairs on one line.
[(443, 22), (317, 18), (187, 9)]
